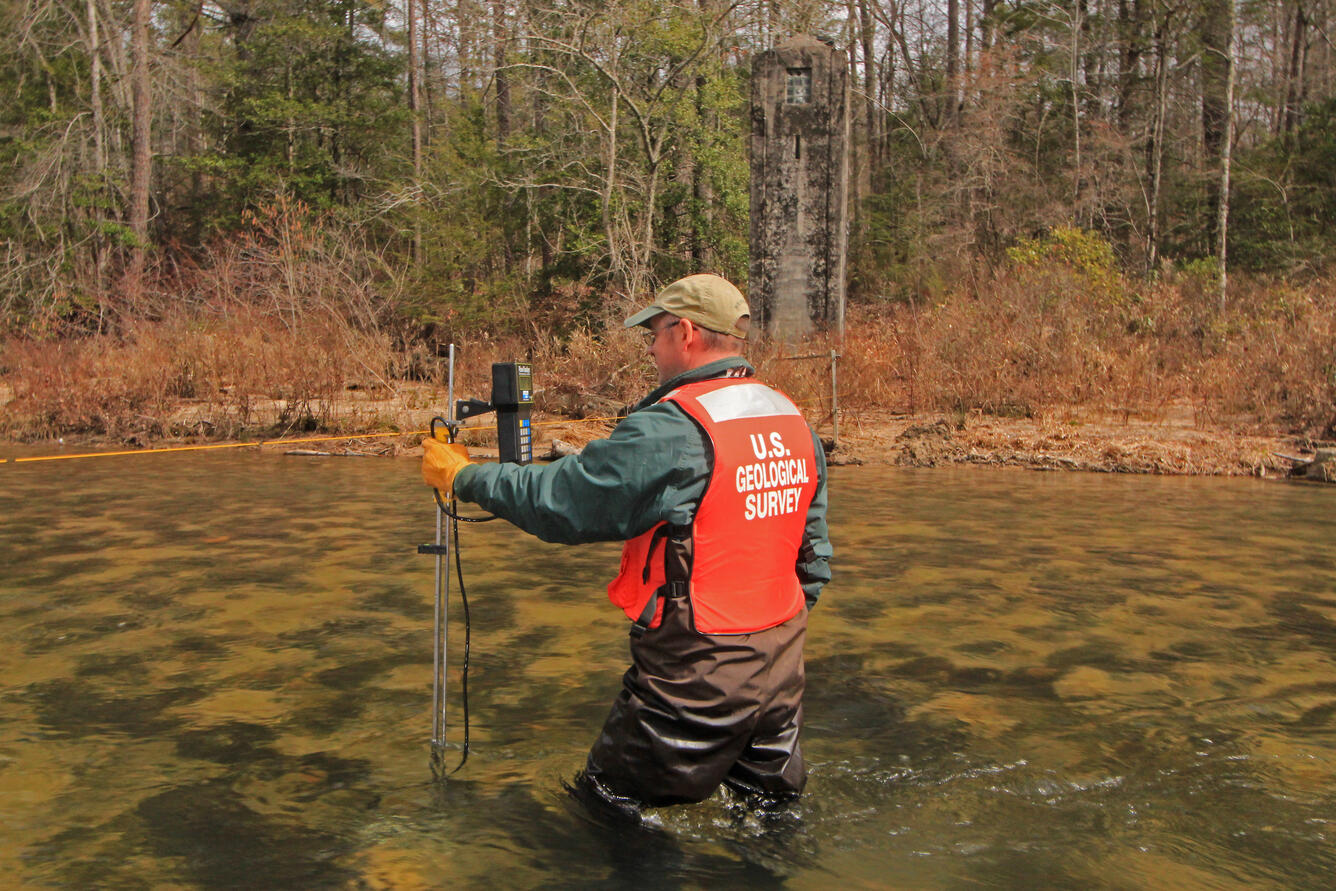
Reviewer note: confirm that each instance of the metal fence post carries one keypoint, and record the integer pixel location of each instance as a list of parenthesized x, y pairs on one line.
[(834, 401)]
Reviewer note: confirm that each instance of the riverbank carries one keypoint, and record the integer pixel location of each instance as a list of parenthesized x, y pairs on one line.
[(1040, 369), (1172, 445), (1175, 442)]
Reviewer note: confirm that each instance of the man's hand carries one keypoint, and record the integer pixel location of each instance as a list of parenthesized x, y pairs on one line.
[(441, 461)]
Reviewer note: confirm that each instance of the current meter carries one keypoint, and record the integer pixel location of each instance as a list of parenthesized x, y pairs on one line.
[(512, 400)]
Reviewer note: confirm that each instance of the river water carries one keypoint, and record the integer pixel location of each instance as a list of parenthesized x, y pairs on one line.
[(215, 671)]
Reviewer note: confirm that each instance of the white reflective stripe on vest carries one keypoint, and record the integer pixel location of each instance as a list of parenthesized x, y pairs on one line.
[(745, 401)]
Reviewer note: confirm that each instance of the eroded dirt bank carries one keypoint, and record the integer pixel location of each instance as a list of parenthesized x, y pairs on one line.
[(1175, 442), (1174, 445), (887, 438)]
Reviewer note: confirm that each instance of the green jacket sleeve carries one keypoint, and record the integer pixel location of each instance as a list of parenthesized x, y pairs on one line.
[(652, 468), (814, 573)]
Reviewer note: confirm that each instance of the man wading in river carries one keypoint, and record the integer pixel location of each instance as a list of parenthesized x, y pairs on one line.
[(717, 486)]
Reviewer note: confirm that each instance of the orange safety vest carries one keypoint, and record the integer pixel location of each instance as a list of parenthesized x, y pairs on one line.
[(750, 523)]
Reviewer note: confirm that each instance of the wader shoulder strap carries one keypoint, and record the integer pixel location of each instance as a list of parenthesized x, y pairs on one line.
[(673, 586), (666, 590), (662, 531)]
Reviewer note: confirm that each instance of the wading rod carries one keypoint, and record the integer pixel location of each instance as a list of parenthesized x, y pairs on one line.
[(442, 552)]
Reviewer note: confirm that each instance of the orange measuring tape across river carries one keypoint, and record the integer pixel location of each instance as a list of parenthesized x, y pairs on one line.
[(266, 442)]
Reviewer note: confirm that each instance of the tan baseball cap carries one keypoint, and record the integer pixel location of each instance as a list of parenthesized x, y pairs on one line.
[(709, 300)]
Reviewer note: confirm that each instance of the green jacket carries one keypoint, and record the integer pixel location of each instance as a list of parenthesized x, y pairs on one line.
[(654, 467)]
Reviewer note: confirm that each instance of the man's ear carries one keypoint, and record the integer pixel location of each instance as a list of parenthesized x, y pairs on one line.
[(688, 331)]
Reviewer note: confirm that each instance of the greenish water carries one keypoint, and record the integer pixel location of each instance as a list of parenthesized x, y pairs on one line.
[(217, 673)]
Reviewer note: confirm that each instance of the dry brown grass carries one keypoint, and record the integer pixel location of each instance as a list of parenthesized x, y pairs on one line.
[(239, 374), (1036, 341), (267, 336), (288, 329)]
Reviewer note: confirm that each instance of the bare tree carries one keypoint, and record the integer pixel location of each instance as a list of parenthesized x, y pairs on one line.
[(1296, 91), (596, 65), (500, 38), (1226, 154), (1155, 147), (1131, 42), (142, 134), (868, 33), (415, 112), (952, 55)]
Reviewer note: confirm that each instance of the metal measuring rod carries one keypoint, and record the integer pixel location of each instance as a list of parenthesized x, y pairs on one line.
[(440, 549), (512, 400)]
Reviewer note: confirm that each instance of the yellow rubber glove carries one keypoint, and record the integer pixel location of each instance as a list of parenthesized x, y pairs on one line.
[(441, 461)]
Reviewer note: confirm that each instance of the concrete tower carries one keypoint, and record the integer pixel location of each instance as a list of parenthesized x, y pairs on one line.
[(799, 188)]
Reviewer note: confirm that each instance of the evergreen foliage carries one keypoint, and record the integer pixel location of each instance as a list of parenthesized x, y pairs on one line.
[(573, 151)]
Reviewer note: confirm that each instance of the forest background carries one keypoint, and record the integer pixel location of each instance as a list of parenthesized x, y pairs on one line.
[(224, 217)]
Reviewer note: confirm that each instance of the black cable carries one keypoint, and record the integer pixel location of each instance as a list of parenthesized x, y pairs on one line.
[(463, 593), (440, 502), (468, 633)]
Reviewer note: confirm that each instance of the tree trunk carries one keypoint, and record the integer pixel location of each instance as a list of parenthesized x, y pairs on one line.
[(859, 157), (1295, 95), (1226, 154), (702, 189), (869, 34), (424, 66), (414, 85), (1090, 51), (243, 23), (640, 278), (195, 138), (1216, 71), (99, 130), (952, 57), (499, 38), (969, 46), (415, 112), (141, 150), (1129, 62), (1074, 73), (95, 89), (615, 267), (1278, 60), (290, 124), (1155, 161), (885, 93)]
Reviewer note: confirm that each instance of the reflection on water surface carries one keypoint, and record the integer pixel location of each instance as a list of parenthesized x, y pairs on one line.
[(217, 672)]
